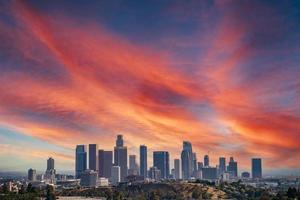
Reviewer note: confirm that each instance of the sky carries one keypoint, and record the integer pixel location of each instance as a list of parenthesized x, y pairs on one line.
[(224, 75)]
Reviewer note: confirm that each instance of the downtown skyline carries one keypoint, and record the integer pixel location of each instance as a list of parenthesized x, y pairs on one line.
[(223, 75)]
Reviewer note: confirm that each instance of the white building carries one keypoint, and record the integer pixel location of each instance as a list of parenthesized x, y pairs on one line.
[(102, 182), (115, 175)]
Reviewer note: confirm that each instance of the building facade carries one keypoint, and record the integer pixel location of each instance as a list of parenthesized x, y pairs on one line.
[(143, 161), (120, 156), (105, 159), (93, 157), (161, 162), (80, 160), (256, 168)]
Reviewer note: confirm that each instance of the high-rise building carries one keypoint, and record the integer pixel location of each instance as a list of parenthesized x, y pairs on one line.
[(115, 175), (177, 169), (154, 173), (232, 168), (133, 166), (93, 157), (222, 165), (105, 163), (120, 156), (187, 160), (200, 166), (195, 167), (209, 173), (32, 174), (161, 161), (206, 161), (80, 160), (143, 161), (89, 178), (50, 164), (256, 168), (119, 142)]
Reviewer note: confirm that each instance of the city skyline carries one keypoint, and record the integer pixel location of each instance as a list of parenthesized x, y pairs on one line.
[(159, 73)]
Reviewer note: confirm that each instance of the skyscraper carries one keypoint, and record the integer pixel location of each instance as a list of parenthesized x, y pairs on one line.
[(50, 171), (105, 163), (256, 168), (50, 164), (187, 160), (119, 142), (93, 157), (120, 156), (222, 165), (115, 175), (143, 161), (161, 162), (232, 168), (206, 161), (80, 160), (133, 166), (195, 167), (177, 169), (32, 174)]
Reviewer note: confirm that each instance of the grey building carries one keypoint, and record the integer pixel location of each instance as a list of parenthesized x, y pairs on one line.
[(133, 166), (256, 168), (120, 156), (143, 161), (161, 162), (80, 160), (222, 165), (187, 160), (206, 161), (93, 157), (115, 175), (232, 168), (177, 169), (50, 164), (32, 174), (105, 163), (245, 175), (89, 178), (209, 173), (154, 173)]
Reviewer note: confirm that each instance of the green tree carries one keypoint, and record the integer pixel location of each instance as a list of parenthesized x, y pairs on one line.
[(50, 193)]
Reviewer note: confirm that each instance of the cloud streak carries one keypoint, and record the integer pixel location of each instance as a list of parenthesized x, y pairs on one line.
[(66, 82)]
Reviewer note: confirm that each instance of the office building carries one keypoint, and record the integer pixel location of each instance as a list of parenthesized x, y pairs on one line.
[(93, 157), (32, 174), (133, 166), (89, 178), (245, 175), (50, 164), (143, 161), (115, 175), (105, 163), (80, 160), (209, 173), (256, 168), (222, 165), (187, 160), (177, 169), (120, 156), (200, 166), (206, 161), (161, 162), (154, 173), (232, 168)]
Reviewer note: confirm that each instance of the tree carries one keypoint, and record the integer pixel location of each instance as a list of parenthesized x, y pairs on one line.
[(5, 188), (50, 193), (292, 193)]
